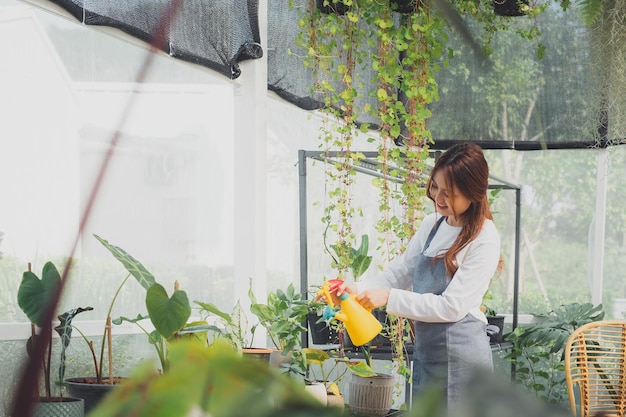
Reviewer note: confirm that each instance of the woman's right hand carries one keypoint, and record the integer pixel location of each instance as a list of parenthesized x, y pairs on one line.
[(344, 287), (349, 287)]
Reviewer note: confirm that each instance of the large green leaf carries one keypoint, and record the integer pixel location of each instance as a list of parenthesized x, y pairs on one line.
[(132, 265), (168, 315), (34, 294)]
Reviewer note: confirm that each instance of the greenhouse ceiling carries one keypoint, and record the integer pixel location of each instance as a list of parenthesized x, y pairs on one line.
[(570, 98)]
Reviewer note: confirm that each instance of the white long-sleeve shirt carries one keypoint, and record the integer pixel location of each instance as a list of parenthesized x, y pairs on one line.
[(477, 262)]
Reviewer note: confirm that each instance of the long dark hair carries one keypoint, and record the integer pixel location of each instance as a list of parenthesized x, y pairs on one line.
[(465, 170)]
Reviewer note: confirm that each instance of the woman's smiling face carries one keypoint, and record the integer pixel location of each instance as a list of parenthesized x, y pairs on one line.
[(450, 203)]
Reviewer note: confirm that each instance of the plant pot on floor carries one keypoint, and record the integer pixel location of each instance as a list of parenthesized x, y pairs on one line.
[(89, 390), (59, 407), (371, 396)]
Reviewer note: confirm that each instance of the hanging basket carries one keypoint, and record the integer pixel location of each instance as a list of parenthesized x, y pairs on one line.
[(337, 7), (509, 8)]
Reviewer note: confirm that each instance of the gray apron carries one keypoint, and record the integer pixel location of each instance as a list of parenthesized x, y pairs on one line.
[(445, 354)]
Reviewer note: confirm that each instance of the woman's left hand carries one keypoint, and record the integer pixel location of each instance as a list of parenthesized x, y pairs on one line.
[(374, 298)]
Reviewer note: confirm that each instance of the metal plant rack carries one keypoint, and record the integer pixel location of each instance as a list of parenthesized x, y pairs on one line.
[(370, 165)]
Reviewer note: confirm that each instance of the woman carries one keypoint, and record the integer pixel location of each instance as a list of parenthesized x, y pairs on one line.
[(441, 278)]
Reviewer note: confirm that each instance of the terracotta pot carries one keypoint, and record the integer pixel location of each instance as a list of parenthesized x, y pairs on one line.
[(262, 354), (59, 407)]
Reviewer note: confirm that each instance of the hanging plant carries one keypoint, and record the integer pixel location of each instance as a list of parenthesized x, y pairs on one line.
[(376, 60), (332, 7), (335, 63)]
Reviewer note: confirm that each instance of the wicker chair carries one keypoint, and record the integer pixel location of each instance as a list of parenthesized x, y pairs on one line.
[(595, 369)]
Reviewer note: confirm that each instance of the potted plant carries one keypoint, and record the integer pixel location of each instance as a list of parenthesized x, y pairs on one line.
[(370, 392), (167, 314), (33, 297), (300, 369), (315, 359), (537, 352), (213, 380), (282, 316), (322, 331), (233, 328)]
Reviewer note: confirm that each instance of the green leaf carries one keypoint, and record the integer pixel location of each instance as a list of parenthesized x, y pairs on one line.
[(132, 265), (212, 308), (122, 319), (315, 356), (64, 330), (34, 294), (168, 315), (361, 369), (214, 381)]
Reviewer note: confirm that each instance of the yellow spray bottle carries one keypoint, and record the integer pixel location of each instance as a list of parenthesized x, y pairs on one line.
[(360, 323)]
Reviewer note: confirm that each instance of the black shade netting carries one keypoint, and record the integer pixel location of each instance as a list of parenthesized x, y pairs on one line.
[(217, 34), (572, 97)]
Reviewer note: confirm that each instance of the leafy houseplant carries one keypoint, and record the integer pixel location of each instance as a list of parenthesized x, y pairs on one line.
[(537, 351), (282, 316), (33, 297), (212, 381), (232, 327), (168, 315), (358, 261), (371, 393), (307, 364)]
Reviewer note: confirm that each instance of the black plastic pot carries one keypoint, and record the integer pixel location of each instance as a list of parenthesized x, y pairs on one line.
[(403, 6), (380, 340), (495, 328), (509, 8), (91, 393), (321, 333), (333, 8)]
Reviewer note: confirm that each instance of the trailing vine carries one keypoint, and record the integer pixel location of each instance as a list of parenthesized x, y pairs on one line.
[(401, 53)]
